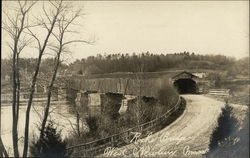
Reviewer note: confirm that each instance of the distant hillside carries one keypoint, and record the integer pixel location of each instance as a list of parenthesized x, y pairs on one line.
[(146, 62), (119, 65)]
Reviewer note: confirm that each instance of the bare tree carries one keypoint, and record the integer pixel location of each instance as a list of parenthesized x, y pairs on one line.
[(139, 109), (64, 22), (15, 25), (49, 24)]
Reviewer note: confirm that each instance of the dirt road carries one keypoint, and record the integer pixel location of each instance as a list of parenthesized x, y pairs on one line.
[(188, 136)]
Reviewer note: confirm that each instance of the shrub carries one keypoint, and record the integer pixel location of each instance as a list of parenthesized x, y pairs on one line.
[(224, 132), (242, 148), (50, 144), (167, 96)]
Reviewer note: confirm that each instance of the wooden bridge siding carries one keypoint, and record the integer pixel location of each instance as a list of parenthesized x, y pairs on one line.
[(149, 87)]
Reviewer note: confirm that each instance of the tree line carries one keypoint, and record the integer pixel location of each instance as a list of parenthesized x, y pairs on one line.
[(112, 63)]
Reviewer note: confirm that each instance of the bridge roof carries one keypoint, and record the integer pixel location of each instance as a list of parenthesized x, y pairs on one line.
[(184, 74)]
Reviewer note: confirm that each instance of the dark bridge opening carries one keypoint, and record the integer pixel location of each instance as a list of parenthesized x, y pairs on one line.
[(185, 86)]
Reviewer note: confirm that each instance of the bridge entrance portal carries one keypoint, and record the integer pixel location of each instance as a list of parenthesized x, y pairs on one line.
[(185, 82), (185, 86)]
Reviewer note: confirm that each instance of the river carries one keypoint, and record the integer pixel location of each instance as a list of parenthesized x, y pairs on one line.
[(64, 121)]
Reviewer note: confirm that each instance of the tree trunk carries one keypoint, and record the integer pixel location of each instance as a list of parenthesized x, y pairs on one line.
[(14, 116), (2, 149), (78, 123), (32, 90), (46, 112), (18, 88)]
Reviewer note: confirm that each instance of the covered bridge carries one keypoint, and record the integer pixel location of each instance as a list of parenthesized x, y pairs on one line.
[(186, 82)]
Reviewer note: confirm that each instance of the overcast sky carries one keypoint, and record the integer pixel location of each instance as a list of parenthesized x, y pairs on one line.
[(208, 27)]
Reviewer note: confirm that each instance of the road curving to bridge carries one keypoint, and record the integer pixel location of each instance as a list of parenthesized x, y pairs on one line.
[(188, 136)]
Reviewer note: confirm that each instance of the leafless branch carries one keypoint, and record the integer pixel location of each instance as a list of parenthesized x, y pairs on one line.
[(11, 47), (38, 114), (55, 5), (46, 14), (72, 31), (11, 20), (24, 44), (78, 41), (71, 124), (34, 36)]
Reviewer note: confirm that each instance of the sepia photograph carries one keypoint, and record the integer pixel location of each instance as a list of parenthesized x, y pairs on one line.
[(113, 79)]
